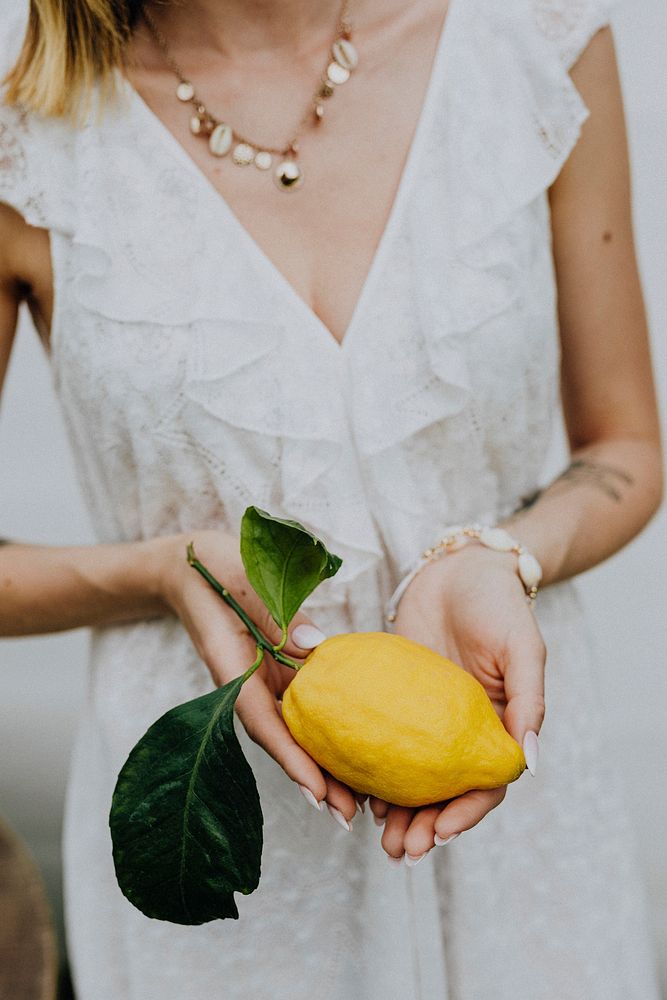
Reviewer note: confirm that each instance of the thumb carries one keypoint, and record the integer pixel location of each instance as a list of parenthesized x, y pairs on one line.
[(260, 715), (524, 690), (303, 635)]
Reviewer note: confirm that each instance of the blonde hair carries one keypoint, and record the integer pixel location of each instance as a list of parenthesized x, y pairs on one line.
[(68, 46)]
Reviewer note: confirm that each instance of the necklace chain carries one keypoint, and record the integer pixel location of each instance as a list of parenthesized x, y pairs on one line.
[(341, 60)]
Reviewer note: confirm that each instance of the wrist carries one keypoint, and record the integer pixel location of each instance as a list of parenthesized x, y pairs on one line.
[(158, 558), (456, 539), (473, 565), (475, 560), (123, 576), (168, 571), (549, 547)]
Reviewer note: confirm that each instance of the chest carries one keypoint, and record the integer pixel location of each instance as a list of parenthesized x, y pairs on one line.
[(323, 237)]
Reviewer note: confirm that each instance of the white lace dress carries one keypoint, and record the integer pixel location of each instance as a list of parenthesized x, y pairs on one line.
[(194, 382)]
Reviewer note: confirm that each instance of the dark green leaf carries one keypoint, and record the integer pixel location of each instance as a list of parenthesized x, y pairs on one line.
[(185, 820), (283, 562)]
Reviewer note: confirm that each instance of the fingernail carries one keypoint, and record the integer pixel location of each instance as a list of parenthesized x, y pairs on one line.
[(307, 636), (310, 798), (531, 750), (411, 860), (338, 816), (395, 862), (378, 820), (441, 841), (361, 806)]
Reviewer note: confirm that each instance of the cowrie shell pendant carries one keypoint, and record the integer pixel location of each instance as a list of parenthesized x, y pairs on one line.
[(530, 570), (220, 140), (345, 53), (497, 538)]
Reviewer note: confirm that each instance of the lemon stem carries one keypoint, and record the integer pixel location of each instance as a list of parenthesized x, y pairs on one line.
[(261, 640), (251, 670), (283, 640)]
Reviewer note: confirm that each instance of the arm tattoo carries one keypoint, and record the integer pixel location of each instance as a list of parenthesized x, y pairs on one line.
[(582, 472), (529, 501), (610, 480)]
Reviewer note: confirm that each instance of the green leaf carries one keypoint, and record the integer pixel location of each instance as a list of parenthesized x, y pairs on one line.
[(283, 562), (186, 821)]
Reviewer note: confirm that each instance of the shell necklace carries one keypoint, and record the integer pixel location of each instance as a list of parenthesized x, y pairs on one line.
[(222, 137)]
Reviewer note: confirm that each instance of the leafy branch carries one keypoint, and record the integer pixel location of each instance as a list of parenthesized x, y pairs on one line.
[(186, 820)]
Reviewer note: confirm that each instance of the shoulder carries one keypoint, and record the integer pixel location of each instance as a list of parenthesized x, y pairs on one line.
[(23, 251), (569, 25), (36, 153), (16, 129), (555, 31)]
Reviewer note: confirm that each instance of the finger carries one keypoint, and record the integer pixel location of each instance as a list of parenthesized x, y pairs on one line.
[(466, 811), (340, 802), (419, 836), (524, 690), (223, 642), (228, 649), (396, 824), (307, 638), (379, 809), (239, 587), (303, 636), (259, 713), (360, 802)]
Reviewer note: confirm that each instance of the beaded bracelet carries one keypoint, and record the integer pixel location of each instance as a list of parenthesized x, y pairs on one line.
[(454, 538)]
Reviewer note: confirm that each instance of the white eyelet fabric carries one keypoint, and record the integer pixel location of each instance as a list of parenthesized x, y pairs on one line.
[(194, 382)]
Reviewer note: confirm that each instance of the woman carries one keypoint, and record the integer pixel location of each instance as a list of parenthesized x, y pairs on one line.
[(358, 330)]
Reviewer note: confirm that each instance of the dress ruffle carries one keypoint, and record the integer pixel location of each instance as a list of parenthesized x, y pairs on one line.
[(234, 380), (478, 185), (478, 195)]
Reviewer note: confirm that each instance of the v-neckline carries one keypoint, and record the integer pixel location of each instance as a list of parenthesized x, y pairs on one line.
[(263, 259)]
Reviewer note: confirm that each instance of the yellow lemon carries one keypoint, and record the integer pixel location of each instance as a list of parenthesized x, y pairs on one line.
[(394, 719)]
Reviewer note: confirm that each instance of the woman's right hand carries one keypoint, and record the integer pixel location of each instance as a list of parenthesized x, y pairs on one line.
[(228, 649)]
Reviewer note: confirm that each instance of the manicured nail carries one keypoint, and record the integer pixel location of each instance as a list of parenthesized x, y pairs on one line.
[(441, 841), (531, 750), (379, 820), (361, 806), (395, 862), (338, 816), (310, 798), (307, 636), (411, 860)]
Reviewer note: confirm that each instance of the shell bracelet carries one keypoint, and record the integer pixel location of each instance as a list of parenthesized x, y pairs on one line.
[(455, 538)]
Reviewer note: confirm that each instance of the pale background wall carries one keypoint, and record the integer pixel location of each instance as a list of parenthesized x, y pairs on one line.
[(41, 679)]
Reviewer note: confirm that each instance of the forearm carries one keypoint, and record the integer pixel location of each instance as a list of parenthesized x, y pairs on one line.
[(49, 589), (600, 502)]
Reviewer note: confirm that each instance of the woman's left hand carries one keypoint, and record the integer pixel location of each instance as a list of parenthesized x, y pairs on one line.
[(470, 606)]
